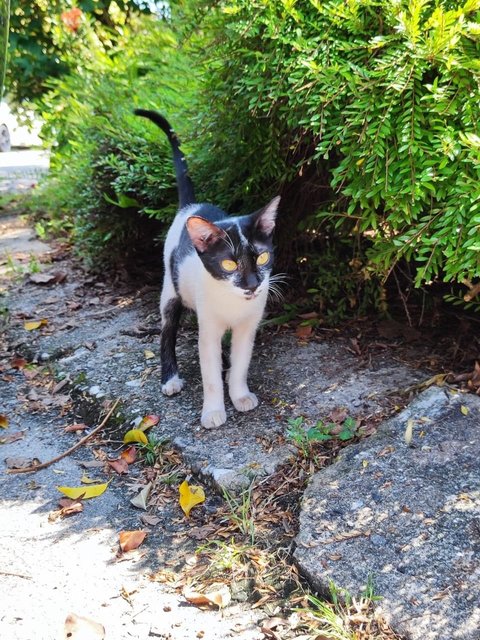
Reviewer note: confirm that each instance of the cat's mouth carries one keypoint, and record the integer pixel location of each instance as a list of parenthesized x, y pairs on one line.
[(249, 295)]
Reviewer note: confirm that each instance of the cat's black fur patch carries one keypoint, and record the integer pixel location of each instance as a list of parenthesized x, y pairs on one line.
[(172, 315)]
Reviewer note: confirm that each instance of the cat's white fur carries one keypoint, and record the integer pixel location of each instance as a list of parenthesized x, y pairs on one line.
[(219, 307)]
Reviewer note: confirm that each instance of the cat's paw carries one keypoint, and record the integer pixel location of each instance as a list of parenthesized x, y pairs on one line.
[(212, 419), (246, 402), (172, 386)]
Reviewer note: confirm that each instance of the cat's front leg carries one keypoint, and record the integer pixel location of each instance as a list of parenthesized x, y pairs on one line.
[(171, 310), (243, 337), (210, 350)]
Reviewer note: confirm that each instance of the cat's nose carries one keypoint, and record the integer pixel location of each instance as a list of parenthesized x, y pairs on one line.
[(250, 290)]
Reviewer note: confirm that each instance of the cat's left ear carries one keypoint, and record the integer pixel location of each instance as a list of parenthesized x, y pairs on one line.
[(265, 218)]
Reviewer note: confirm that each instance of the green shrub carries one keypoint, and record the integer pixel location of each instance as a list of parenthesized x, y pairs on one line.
[(111, 172), (380, 97)]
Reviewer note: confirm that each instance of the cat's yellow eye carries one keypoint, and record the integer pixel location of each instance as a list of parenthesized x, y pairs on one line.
[(229, 265), (263, 258)]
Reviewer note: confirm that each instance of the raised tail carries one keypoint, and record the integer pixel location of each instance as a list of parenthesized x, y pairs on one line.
[(186, 193)]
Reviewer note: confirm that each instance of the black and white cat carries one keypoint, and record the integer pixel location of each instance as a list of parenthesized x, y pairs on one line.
[(219, 266)]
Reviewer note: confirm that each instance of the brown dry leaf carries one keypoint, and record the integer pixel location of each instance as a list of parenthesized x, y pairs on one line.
[(220, 597), (76, 427), (130, 540), (67, 508), (18, 363), (3, 421), (21, 463), (201, 533), (42, 278), (149, 520), (92, 464), (12, 437), (304, 331), (148, 354), (120, 465), (338, 415), (129, 455), (80, 628)]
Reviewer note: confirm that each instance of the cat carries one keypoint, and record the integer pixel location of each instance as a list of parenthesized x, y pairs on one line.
[(219, 266)]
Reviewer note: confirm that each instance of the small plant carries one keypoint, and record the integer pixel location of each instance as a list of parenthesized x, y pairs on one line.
[(305, 437), (242, 512), (152, 451)]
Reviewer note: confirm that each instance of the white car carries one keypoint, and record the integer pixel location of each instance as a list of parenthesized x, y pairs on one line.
[(14, 134)]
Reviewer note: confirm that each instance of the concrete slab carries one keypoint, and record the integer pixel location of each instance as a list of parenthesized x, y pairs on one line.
[(406, 516)]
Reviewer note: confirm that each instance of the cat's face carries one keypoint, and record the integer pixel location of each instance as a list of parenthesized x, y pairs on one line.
[(238, 250)]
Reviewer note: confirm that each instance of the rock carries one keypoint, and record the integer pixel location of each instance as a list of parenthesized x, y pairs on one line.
[(406, 517)]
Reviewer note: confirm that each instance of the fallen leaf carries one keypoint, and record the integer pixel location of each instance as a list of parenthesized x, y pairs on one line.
[(140, 500), (76, 427), (304, 331), (190, 496), (12, 437), (220, 597), (135, 435), (120, 465), (18, 363), (93, 491), (85, 480), (3, 421), (201, 533), (409, 431), (465, 410), (130, 540), (129, 455), (92, 464), (148, 421), (67, 508), (150, 520), (30, 325), (148, 354), (42, 278), (21, 463), (80, 628)]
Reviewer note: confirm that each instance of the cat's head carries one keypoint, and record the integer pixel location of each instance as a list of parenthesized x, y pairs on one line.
[(237, 250)]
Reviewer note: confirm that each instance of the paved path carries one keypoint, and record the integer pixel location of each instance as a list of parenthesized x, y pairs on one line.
[(21, 169)]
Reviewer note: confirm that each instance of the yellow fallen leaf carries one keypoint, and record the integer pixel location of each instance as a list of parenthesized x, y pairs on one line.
[(86, 480), (3, 421), (148, 354), (135, 435), (93, 491), (409, 431), (465, 410), (190, 496), (30, 325)]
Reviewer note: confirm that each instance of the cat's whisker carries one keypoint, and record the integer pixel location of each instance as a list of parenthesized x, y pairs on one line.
[(229, 243), (275, 293)]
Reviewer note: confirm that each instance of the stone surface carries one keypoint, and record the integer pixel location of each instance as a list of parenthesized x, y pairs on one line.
[(406, 517)]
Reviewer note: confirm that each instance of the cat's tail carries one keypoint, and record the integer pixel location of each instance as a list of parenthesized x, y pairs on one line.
[(186, 194)]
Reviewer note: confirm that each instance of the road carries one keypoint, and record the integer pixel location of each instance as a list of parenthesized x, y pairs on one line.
[(21, 169)]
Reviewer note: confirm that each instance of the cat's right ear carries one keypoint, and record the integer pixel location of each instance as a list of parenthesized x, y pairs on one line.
[(203, 233)]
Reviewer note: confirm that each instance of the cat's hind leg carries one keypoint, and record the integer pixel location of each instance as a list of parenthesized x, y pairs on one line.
[(171, 311)]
